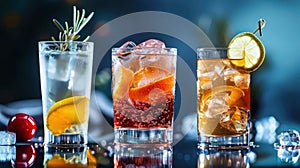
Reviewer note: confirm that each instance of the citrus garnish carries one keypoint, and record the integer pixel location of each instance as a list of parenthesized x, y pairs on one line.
[(234, 93), (66, 113), (122, 81), (57, 161), (74, 161), (150, 81), (246, 51)]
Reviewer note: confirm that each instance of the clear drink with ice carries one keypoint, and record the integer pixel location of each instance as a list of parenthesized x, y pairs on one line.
[(223, 99), (66, 85), (143, 88)]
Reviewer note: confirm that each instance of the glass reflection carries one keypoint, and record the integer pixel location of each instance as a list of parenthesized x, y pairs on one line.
[(223, 158), (146, 156), (7, 153), (25, 156), (289, 156), (67, 157)]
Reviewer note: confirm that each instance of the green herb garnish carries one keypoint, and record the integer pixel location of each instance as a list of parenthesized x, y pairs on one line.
[(68, 34)]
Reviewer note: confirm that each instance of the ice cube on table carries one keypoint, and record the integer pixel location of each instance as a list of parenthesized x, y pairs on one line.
[(7, 153), (288, 156), (235, 120), (7, 138), (266, 129), (289, 138)]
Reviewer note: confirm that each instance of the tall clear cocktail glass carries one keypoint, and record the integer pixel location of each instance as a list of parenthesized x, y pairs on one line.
[(223, 100), (143, 87), (65, 74)]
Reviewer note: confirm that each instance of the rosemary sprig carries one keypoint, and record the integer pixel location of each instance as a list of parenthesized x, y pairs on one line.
[(71, 33)]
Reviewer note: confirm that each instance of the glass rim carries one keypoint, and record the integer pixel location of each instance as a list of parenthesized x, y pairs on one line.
[(79, 42), (212, 53), (139, 51), (211, 49)]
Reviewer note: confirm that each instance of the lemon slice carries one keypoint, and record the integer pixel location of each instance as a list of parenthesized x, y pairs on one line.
[(246, 51)]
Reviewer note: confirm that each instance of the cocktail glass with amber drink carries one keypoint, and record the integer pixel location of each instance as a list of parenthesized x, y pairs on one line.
[(143, 89), (66, 86), (223, 89), (224, 97)]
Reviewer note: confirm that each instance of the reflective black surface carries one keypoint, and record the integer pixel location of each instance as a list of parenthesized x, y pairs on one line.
[(183, 154)]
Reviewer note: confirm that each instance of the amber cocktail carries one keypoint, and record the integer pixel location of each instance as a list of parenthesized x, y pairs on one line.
[(223, 99)]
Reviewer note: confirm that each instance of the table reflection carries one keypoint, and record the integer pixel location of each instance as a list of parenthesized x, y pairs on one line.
[(148, 156), (67, 157), (223, 158), (25, 156)]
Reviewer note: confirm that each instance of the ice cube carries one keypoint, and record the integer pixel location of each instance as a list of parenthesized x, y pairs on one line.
[(7, 138), (205, 82), (126, 48), (131, 62), (230, 73), (126, 58), (7, 153), (288, 156), (242, 81), (216, 105), (219, 68), (289, 138), (152, 43), (235, 120), (151, 47), (58, 67), (266, 129), (166, 61), (78, 73)]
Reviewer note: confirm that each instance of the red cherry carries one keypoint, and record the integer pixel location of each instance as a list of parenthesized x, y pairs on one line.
[(25, 156), (23, 125)]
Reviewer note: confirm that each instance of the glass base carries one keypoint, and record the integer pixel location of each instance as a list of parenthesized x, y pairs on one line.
[(234, 141), (67, 140), (151, 136)]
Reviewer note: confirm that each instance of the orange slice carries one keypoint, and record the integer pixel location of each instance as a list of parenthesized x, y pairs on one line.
[(246, 51), (122, 78), (234, 93), (149, 82), (66, 113), (57, 161)]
